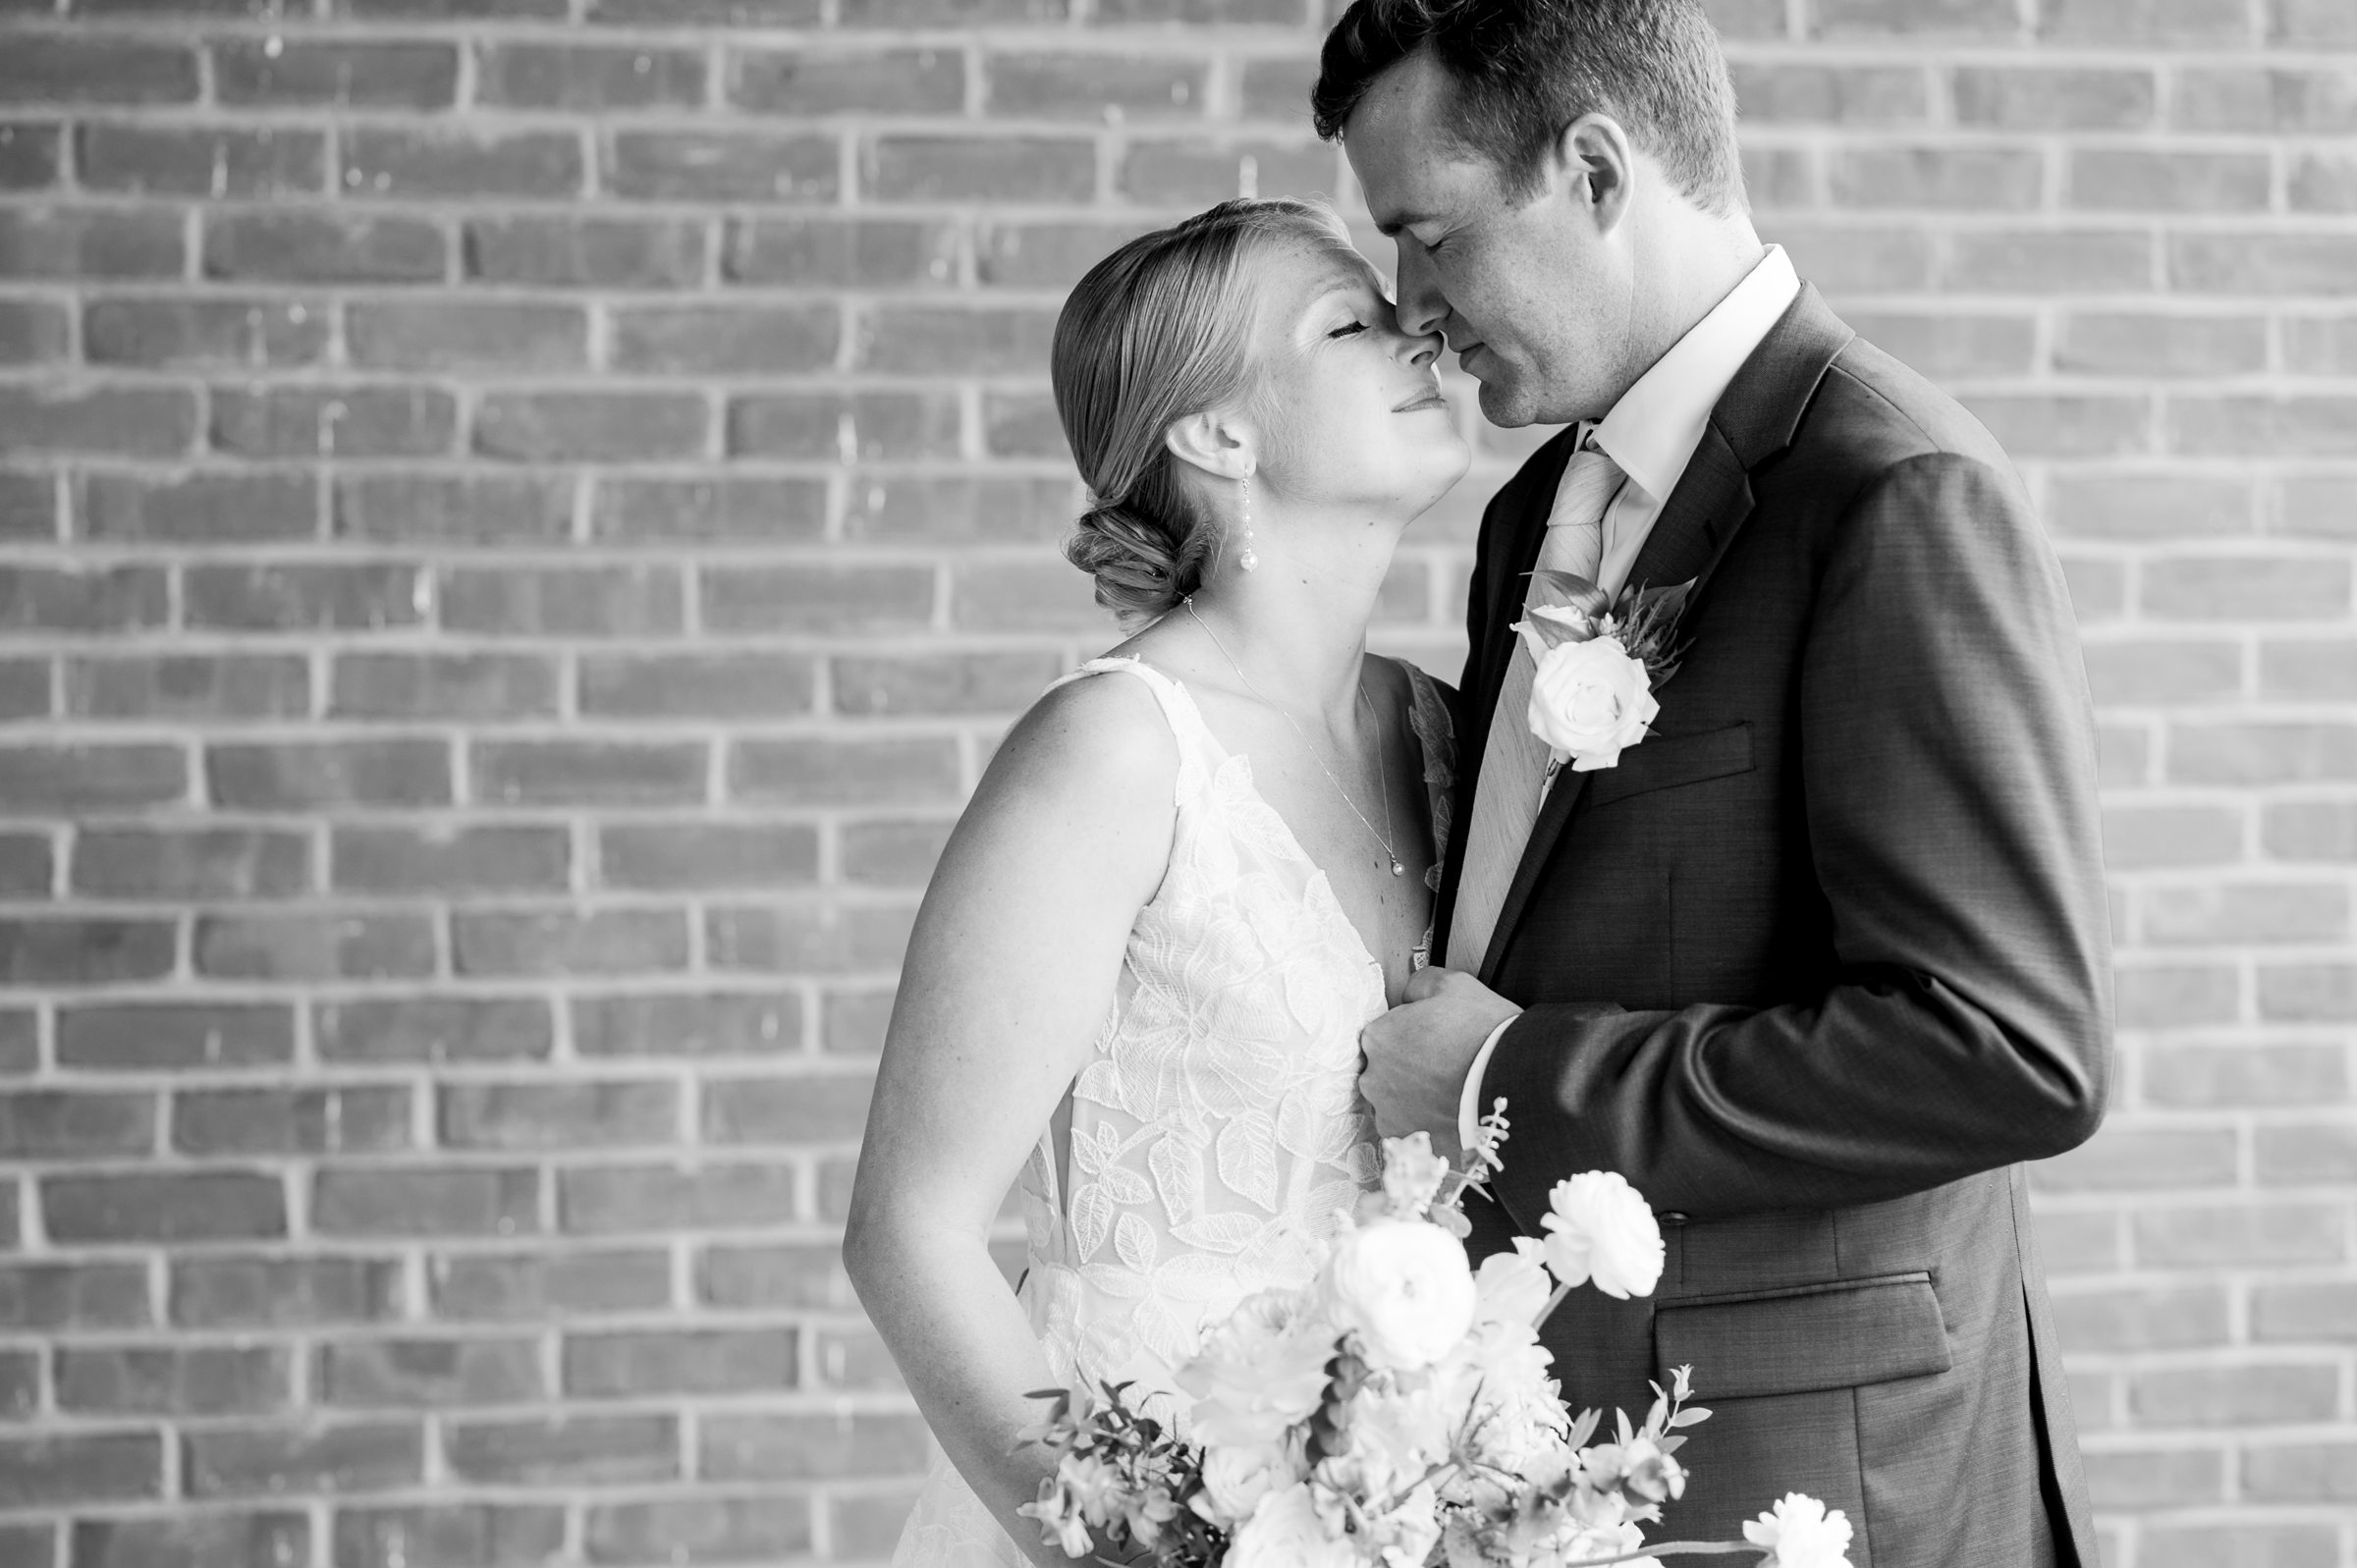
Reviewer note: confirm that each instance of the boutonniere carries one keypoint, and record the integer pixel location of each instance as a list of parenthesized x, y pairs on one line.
[(1600, 660)]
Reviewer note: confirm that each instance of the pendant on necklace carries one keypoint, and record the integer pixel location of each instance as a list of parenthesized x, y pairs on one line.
[(1399, 870)]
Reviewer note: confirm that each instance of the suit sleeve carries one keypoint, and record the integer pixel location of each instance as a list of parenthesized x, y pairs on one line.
[(1947, 767)]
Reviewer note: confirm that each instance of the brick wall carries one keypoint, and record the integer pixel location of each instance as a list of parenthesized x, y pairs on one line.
[(520, 519)]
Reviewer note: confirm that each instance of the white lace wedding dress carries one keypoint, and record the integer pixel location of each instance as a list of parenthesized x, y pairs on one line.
[(1217, 1128)]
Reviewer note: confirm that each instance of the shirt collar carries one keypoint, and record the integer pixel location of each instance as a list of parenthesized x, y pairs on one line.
[(1653, 430)]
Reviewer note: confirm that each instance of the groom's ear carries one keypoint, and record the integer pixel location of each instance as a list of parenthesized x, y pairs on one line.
[(1596, 167), (1215, 442)]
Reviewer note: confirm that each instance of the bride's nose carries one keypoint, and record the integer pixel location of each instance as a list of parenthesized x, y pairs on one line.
[(1423, 348)]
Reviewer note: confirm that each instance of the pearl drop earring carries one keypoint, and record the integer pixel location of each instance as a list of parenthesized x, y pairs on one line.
[(1248, 561)]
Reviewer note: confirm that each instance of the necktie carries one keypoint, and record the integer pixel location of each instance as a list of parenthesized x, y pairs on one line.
[(1513, 762)]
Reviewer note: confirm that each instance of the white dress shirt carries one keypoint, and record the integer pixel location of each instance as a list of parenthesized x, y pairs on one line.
[(1652, 433)]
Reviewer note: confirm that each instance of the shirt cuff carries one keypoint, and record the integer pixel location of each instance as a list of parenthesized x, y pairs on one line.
[(1468, 1099)]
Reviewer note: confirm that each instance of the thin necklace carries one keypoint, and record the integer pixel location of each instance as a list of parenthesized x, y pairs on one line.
[(1384, 785)]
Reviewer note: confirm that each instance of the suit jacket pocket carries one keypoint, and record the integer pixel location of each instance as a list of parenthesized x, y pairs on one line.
[(1659, 762), (1842, 1334)]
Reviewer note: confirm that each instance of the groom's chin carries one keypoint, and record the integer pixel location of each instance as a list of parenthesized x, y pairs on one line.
[(1502, 406)]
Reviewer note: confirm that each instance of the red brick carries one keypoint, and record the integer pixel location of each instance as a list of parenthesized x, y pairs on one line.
[(2222, 262), (823, 81), (58, 68), (351, 421), (854, 1022), (128, 421), (48, 1471), (535, 1287), (772, 1277), (802, 937), (463, 165), (2154, 996), (2308, 992), (476, 1534), (2031, 99), (939, 683), (2245, 912), (244, 1462), (2151, 1318), (199, 1380), (284, 1292), (2260, 753), (588, 771), (433, 1028), (317, 945), (1936, 17), (474, 1201), (892, 854), (947, 510), (604, 1199), (866, 425), (59, 779), (867, 1523), (963, 13), (719, 166), (2155, 1478), (308, 597), (1280, 12), (81, 598), (1019, 424), (266, 161), (822, 772), (2323, 183), (367, 1373), (664, 1024), (1111, 87), (685, 857), (32, 331), (586, 252), (27, 870), (591, 427), (970, 168), (451, 685), (2159, 505), (2148, 21), (2309, 1471), (190, 1539), (587, 77), (448, 335), (699, 1528), (28, 156), (629, 511), (696, 686), (2138, 345), (323, 248), (2313, 21), (708, 12), (376, 75), (2197, 1077), (609, 1366), (24, 688), (2260, 426), (174, 1035), (191, 863), (794, 1109), (2244, 1234), (345, 1120), (2316, 507), (599, 1115), (830, 249), (2324, 831), (2297, 1154), (818, 599), (186, 1206), (2222, 1547), (1045, 255), (67, 1125), (198, 507), (2128, 1159), (2043, 261), (723, 340), (84, 951), (983, 341), (27, 507), (476, 509), (562, 942), (1048, 595), (38, 1296), (1798, 93), (1192, 172), (596, 601), (575, 1450), (308, 775), (816, 1448)]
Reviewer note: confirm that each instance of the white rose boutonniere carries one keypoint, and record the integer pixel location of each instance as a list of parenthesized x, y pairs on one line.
[(1598, 662)]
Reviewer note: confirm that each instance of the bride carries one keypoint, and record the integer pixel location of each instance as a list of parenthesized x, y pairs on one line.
[(1193, 872)]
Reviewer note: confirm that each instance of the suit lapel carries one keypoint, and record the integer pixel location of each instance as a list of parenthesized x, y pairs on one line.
[(1754, 419)]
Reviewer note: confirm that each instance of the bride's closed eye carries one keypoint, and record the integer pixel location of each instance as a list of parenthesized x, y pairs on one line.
[(1350, 331)]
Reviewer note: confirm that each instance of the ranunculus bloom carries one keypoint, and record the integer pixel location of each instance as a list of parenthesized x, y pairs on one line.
[(1260, 1371), (1285, 1532), (1405, 1287), (1236, 1479), (1803, 1534), (1589, 700), (1411, 1174), (1511, 1286), (1600, 1228)]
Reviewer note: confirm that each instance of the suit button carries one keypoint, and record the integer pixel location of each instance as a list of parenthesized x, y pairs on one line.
[(1673, 1217)]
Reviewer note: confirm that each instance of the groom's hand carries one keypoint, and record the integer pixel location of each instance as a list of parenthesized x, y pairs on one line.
[(1418, 1053)]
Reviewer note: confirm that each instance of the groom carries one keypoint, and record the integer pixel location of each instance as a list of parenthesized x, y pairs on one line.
[(1823, 957)]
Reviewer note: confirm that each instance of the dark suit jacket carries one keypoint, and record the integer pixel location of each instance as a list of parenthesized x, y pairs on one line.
[(1820, 962)]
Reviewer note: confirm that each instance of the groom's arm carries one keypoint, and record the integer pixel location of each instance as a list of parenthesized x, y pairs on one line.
[(1949, 781)]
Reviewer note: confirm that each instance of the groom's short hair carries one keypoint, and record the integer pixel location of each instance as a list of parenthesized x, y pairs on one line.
[(1523, 70)]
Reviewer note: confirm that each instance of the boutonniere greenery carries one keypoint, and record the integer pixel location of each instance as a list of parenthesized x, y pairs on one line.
[(1600, 660)]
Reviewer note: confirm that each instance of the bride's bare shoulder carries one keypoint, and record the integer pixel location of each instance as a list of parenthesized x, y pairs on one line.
[(1096, 743)]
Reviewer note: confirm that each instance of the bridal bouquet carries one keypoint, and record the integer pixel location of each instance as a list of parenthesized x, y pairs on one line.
[(1397, 1411)]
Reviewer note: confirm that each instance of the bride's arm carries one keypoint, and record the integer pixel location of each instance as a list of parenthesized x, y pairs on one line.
[(1010, 976)]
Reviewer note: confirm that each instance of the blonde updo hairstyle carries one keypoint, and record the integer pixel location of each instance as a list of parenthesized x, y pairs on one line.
[(1158, 331)]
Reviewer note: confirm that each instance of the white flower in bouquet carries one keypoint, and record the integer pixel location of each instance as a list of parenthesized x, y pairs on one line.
[(1411, 1174), (1599, 1229), (1259, 1372), (1605, 1540), (1236, 1479), (1287, 1531), (1803, 1534), (1512, 1286), (1406, 1288), (1638, 1466)]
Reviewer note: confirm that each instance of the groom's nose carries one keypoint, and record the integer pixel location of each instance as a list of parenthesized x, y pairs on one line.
[(1422, 306)]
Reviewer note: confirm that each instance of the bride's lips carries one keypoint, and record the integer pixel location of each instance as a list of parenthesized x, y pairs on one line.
[(1428, 398)]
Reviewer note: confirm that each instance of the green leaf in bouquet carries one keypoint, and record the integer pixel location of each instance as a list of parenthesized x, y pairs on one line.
[(1690, 1418)]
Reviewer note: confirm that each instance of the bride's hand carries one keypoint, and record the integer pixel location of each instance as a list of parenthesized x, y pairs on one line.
[(1418, 1054)]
